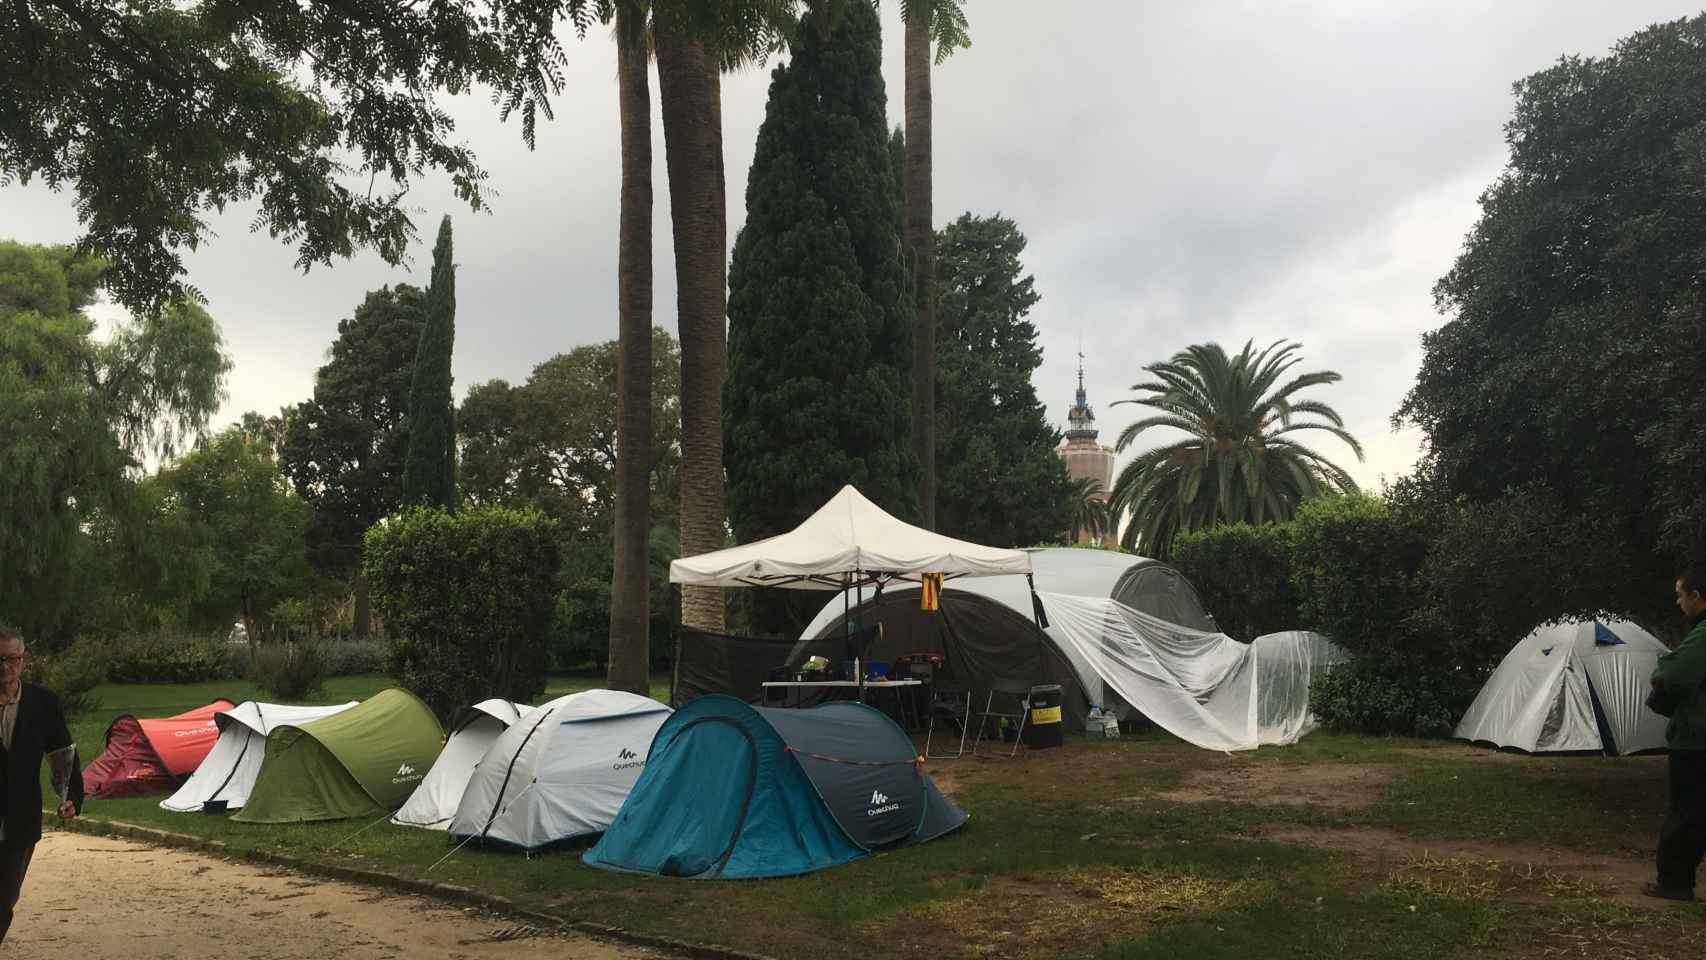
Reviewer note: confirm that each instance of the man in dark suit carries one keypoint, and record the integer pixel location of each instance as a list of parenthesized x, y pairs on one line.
[(32, 727)]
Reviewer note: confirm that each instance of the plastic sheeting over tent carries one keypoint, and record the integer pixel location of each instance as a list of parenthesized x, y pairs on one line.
[(1204, 688), (848, 540), (734, 791), (1571, 686), (985, 627), (228, 773), (475, 730), (561, 772), (149, 756), (362, 761)]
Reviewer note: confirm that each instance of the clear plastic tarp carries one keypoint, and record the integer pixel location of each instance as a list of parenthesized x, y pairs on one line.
[(1204, 688)]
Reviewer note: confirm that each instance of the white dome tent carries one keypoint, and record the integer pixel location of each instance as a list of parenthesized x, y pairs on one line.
[(562, 772), (229, 772), (475, 730), (1568, 687)]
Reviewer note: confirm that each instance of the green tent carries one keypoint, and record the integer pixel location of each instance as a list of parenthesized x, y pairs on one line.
[(364, 761)]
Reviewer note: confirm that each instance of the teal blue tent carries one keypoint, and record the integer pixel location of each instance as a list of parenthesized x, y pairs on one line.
[(734, 791)]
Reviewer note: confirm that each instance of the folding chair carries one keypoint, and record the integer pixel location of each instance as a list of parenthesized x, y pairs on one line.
[(777, 696), (949, 703), (1006, 701)]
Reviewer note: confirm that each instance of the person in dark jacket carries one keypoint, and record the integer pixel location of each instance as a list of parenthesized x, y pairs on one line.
[(1679, 692), (32, 727)]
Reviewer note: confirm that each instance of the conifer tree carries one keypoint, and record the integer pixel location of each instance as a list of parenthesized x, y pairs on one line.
[(820, 344), (429, 471)]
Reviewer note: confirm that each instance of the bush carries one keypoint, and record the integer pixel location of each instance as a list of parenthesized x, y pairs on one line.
[(348, 657), (467, 599), (289, 671), (1354, 566), (72, 674), (165, 658), (1243, 576), (1382, 696)]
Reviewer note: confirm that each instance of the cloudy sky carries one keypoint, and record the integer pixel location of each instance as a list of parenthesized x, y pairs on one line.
[(1213, 170)]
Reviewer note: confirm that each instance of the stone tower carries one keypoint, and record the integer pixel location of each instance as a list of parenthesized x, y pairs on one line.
[(1085, 457)]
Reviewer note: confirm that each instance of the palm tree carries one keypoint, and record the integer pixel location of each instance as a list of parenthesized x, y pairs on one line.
[(1241, 460), (1087, 510), (942, 21), (628, 663)]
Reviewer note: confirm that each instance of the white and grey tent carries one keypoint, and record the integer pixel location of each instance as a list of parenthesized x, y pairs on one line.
[(1571, 686), (561, 772), (1204, 688), (473, 732), (226, 776)]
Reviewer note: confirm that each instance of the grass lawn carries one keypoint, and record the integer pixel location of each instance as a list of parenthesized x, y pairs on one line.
[(1138, 847)]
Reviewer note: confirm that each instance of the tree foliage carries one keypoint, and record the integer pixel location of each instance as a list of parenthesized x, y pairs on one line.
[(819, 312), (78, 414), (1571, 363), (466, 599), (429, 468), (228, 537), (1000, 480), (343, 449), (321, 114), (1243, 574), (1241, 460)]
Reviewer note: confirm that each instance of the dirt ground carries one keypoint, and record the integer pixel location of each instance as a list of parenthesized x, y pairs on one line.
[(98, 897), (1335, 786)]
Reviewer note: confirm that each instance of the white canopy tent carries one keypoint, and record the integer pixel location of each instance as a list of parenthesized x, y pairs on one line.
[(229, 772), (561, 772), (849, 541), (476, 728), (1565, 686), (1204, 688)]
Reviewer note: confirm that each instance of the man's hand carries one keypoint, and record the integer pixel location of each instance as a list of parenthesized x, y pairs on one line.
[(67, 810)]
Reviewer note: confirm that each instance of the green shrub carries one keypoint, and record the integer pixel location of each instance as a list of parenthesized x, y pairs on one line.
[(1243, 576), (166, 658), (1381, 696), (467, 599), (1354, 566), (288, 671), (348, 657), (72, 674)]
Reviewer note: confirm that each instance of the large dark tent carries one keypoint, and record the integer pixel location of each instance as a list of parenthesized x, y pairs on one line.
[(735, 791)]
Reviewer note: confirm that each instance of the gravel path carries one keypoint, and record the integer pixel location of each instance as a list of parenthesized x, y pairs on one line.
[(95, 897)]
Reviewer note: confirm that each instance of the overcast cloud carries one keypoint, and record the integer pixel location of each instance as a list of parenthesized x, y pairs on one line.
[(1185, 172)]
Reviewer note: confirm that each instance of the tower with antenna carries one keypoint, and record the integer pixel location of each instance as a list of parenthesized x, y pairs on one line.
[(1084, 457)]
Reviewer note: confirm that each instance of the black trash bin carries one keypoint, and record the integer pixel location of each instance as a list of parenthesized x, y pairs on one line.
[(1043, 727)]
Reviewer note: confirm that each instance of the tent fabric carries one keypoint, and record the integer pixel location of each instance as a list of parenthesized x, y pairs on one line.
[(986, 630), (561, 772), (1566, 686), (848, 540), (1204, 688), (362, 761), (228, 773), (736, 791), (474, 731), (152, 755)]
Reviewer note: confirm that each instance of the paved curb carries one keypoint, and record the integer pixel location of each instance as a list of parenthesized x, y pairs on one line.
[(378, 878)]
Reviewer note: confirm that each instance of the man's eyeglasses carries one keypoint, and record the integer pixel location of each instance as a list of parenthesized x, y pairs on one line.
[(12, 661)]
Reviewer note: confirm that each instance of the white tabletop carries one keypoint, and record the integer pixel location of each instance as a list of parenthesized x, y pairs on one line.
[(843, 683)]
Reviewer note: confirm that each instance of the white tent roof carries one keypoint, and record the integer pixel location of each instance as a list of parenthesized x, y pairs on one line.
[(230, 769), (563, 771), (1542, 696), (1204, 688), (848, 540), (477, 727)]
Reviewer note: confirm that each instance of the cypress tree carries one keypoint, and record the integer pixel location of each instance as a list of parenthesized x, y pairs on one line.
[(820, 338), (429, 471)]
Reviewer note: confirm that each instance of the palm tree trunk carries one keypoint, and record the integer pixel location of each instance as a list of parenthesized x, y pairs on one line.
[(630, 653), (921, 244), (690, 99)]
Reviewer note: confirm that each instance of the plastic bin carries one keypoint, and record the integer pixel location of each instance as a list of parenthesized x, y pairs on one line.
[(1043, 728)]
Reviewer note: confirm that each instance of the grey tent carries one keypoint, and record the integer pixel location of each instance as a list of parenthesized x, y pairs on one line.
[(985, 626)]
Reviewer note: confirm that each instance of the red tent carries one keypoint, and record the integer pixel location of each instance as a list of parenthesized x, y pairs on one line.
[(149, 756)]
